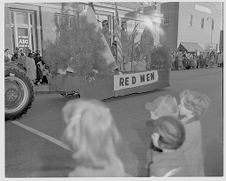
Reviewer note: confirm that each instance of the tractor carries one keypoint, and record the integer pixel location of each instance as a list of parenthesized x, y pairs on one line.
[(19, 93)]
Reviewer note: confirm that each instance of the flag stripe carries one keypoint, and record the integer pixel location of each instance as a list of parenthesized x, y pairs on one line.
[(118, 36)]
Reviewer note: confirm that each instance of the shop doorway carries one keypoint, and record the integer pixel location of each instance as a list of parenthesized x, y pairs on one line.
[(23, 30)]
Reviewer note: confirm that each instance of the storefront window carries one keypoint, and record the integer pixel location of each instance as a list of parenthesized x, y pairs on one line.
[(212, 24), (12, 17), (166, 19), (31, 19), (23, 34), (13, 37), (22, 18), (65, 19), (202, 23), (191, 20)]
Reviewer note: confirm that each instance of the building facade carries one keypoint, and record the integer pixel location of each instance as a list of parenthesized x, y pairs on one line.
[(194, 22), (32, 25)]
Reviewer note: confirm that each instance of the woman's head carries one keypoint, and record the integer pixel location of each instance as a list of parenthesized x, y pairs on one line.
[(163, 106), (193, 103), (90, 132), (169, 133)]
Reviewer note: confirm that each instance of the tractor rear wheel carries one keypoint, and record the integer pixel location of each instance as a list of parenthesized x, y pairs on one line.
[(19, 93)]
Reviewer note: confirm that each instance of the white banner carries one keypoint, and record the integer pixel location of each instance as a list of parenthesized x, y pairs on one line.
[(125, 81)]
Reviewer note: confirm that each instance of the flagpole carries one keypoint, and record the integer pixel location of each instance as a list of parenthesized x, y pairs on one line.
[(133, 37), (132, 55), (92, 6), (119, 57)]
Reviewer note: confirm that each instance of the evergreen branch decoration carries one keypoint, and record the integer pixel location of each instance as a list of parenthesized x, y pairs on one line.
[(160, 58), (76, 46)]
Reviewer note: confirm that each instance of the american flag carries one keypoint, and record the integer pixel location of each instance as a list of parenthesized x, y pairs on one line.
[(119, 58)]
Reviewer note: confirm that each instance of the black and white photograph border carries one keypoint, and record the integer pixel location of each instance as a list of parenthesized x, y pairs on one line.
[(51, 87)]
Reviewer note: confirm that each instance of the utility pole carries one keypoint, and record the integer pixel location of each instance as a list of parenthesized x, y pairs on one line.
[(221, 43), (212, 21)]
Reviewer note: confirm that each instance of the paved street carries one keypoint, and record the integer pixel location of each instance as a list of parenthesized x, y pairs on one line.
[(32, 147)]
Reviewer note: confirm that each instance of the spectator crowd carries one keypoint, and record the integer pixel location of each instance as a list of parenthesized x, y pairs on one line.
[(31, 62), (175, 137), (185, 60)]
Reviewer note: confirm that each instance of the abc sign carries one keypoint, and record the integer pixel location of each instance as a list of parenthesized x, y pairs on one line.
[(23, 42)]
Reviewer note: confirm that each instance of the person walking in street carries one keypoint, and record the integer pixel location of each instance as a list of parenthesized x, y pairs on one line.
[(192, 107), (92, 136)]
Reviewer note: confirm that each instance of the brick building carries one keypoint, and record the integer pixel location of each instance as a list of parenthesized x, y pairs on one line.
[(197, 23)]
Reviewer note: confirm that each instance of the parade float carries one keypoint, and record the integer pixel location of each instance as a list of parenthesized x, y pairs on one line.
[(82, 61)]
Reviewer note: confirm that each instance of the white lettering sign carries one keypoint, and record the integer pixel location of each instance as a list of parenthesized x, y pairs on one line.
[(125, 81), (23, 41)]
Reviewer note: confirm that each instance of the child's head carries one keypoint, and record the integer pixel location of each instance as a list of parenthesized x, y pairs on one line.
[(169, 133), (90, 131), (193, 103), (163, 106)]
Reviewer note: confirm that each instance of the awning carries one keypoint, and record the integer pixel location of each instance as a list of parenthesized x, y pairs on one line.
[(190, 47)]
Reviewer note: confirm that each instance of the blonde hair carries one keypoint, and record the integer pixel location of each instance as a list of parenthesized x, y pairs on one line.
[(163, 106), (196, 102), (90, 132)]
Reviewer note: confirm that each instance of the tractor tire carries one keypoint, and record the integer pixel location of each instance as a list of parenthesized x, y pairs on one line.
[(19, 93)]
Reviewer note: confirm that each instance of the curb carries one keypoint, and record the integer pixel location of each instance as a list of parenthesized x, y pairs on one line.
[(45, 92), (43, 89)]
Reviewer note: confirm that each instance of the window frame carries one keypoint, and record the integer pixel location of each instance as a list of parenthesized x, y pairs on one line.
[(69, 16), (212, 24), (30, 26), (191, 20), (166, 19), (202, 23)]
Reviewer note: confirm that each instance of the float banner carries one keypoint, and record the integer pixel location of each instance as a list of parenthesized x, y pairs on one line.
[(125, 81)]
